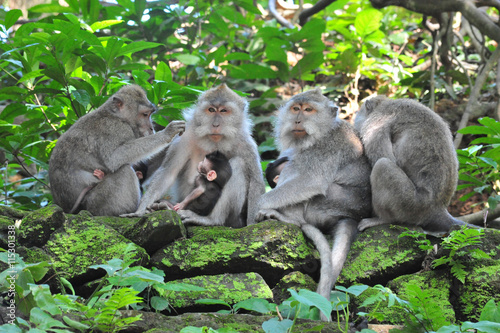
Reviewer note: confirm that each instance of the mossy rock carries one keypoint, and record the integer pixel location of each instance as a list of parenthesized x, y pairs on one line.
[(271, 248), (230, 288), (294, 280), (35, 255), (481, 285), (83, 241), (243, 323), (37, 227), (156, 230), (12, 213), (378, 255)]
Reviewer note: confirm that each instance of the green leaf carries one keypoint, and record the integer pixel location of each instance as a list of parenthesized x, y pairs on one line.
[(274, 325), (252, 71), (163, 72), (253, 304), (209, 301), (188, 59), (311, 298), (43, 320), (11, 17), (482, 326), (159, 303), (367, 21), (75, 324), (104, 24), (490, 312), (354, 290), (136, 47), (308, 63)]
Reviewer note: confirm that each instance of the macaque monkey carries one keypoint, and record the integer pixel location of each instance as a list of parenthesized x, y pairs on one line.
[(111, 139), (214, 173), (274, 168), (325, 185), (415, 167), (218, 121)]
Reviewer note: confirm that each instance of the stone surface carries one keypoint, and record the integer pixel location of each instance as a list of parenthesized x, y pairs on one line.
[(272, 249)]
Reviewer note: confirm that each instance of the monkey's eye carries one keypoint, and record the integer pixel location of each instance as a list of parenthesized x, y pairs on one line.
[(296, 108), (210, 109), (308, 109), (223, 110)]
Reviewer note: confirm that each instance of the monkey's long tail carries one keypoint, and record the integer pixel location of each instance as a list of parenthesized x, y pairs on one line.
[(325, 284), (321, 243), (80, 198)]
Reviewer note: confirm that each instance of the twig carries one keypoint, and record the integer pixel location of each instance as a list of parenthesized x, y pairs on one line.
[(474, 95)]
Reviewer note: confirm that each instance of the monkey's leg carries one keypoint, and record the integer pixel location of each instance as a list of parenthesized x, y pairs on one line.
[(118, 193), (370, 222), (394, 195)]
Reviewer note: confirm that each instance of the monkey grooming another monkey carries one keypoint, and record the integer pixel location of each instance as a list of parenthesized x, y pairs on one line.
[(325, 185), (214, 173), (415, 167), (111, 139), (218, 121)]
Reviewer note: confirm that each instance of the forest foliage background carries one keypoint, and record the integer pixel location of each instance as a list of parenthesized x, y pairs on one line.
[(60, 61)]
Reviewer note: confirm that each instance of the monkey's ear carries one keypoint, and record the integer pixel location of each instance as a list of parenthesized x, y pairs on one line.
[(211, 175), (118, 102)]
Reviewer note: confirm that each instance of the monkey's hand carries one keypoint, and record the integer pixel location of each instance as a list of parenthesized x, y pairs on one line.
[(179, 206), (160, 205), (175, 127)]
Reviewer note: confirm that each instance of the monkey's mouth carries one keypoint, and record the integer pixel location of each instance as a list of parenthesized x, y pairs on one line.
[(215, 137), (299, 133)]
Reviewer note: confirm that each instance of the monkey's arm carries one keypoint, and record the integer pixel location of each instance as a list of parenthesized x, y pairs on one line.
[(293, 191), (378, 144), (256, 186), (140, 149), (191, 196)]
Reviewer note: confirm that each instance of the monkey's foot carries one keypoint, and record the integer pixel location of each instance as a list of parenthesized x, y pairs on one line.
[(136, 214), (370, 222), (267, 214), (160, 205)]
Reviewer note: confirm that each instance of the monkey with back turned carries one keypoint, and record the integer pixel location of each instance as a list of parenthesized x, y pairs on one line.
[(415, 167), (111, 138), (324, 187), (218, 121)]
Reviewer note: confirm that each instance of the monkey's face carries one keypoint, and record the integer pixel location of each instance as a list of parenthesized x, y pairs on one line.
[(304, 120), (143, 119)]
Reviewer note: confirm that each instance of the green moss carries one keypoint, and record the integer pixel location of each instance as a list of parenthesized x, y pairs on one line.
[(478, 289), (230, 288), (83, 242), (206, 245), (373, 253), (36, 227)]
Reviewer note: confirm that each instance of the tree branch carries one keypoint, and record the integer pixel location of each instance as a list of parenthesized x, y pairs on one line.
[(468, 9), (281, 20), (318, 6)]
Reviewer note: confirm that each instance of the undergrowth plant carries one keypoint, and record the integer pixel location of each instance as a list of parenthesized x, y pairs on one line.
[(123, 287), (458, 243), (479, 162)]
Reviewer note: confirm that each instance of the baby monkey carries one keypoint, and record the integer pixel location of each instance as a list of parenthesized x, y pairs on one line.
[(273, 169), (214, 172)]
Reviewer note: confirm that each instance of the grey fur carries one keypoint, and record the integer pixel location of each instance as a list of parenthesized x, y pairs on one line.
[(112, 138), (415, 167), (238, 202), (325, 185)]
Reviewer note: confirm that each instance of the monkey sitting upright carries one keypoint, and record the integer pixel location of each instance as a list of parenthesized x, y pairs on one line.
[(112, 138), (214, 172), (415, 167)]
